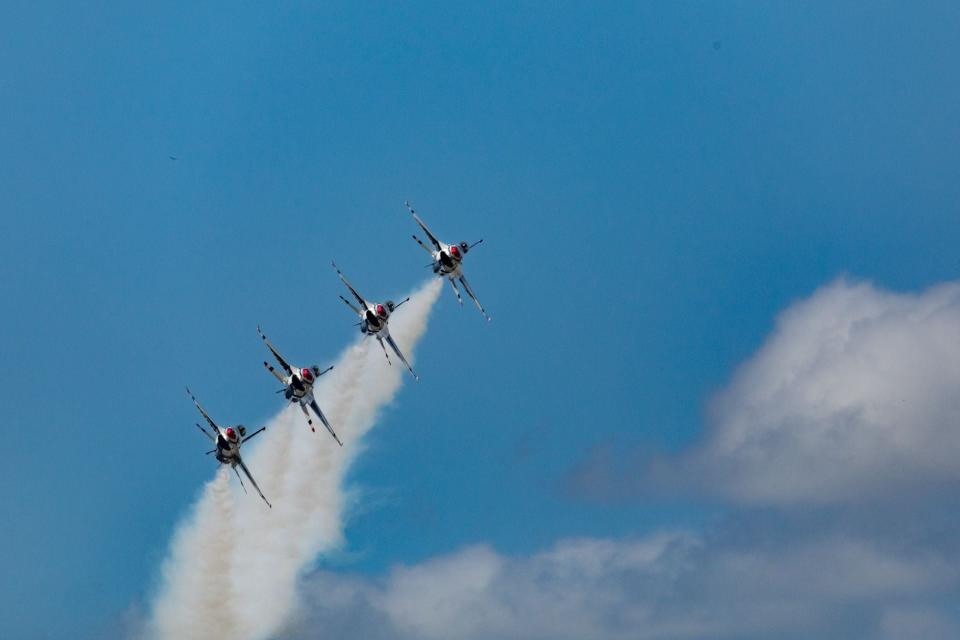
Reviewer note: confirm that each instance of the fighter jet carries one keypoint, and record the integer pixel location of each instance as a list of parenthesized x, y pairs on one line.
[(298, 385), (447, 260), (374, 318), (227, 445)]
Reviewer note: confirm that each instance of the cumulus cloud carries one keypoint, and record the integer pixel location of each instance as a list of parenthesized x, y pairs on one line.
[(853, 397), (668, 585)]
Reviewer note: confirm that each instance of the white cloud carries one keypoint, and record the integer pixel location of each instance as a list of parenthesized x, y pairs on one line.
[(855, 394), (670, 585)]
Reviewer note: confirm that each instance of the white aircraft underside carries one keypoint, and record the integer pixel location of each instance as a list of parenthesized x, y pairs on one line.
[(374, 319), (448, 261), (227, 443), (298, 385)]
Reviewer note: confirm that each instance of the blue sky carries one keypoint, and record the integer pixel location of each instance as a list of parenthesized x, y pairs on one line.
[(654, 184)]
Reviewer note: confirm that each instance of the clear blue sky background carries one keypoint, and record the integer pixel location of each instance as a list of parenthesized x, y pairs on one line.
[(653, 183)]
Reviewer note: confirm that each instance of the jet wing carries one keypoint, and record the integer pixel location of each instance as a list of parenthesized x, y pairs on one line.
[(363, 303), (423, 225), (205, 415), (261, 429), (466, 285), (254, 482), (276, 354), (396, 349), (323, 419)]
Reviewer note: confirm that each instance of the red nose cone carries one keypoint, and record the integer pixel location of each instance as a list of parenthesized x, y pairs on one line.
[(380, 310), (231, 434), (306, 374), (455, 251)]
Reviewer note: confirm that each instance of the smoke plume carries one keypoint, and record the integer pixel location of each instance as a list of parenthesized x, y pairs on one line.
[(233, 566)]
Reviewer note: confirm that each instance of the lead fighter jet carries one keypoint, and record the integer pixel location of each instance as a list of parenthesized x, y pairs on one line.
[(298, 386), (227, 445), (373, 320), (447, 260)]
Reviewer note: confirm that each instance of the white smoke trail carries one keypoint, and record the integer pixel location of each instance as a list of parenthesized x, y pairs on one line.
[(199, 568), (233, 567)]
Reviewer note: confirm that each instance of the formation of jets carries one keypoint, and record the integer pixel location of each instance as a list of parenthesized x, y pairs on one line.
[(298, 382)]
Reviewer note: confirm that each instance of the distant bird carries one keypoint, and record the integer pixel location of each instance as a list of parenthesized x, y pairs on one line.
[(716, 45), (172, 157)]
